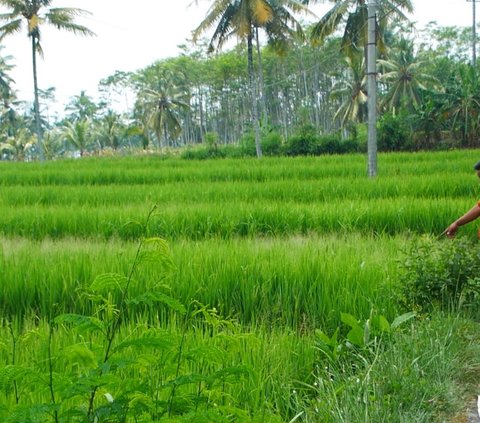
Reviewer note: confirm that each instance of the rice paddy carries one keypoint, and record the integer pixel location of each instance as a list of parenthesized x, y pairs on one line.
[(264, 254)]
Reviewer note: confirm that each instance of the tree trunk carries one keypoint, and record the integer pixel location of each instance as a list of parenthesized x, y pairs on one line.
[(260, 80), (253, 95), (36, 103), (372, 90)]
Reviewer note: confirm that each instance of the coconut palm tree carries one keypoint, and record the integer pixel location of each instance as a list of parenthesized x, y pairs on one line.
[(353, 14), (5, 80), (352, 91), (108, 130), (463, 96), (241, 18), (34, 13), (77, 134), (158, 106), (81, 107), (404, 76), (19, 145)]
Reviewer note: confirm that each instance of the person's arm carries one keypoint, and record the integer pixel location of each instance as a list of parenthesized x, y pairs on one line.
[(468, 217)]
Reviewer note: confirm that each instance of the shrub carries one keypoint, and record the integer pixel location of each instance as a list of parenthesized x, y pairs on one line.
[(441, 274), (232, 151), (333, 144), (393, 133), (272, 144), (303, 143), (247, 145), (202, 153)]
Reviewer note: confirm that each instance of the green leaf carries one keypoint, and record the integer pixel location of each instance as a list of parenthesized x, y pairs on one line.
[(156, 250), (84, 323), (380, 323), (109, 282), (356, 336), (81, 355), (322, 336), (136, 225), (150, 298), (32, 413), (11, 373), (139, 400), (186, 380), (207, 353), (147, 341), (349, 320), (402, 319)]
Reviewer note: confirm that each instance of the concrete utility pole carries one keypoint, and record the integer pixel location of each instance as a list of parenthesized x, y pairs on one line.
[(474, 34), (372, 88)]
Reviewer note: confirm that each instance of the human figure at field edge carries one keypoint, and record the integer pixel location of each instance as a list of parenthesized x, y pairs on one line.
[(468, 217)]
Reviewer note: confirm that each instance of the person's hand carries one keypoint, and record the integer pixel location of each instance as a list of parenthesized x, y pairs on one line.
[(451, 230)]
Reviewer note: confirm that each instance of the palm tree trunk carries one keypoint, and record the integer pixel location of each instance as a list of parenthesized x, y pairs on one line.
[(260, 79), (36, 103), (372, 91), (253, 95)]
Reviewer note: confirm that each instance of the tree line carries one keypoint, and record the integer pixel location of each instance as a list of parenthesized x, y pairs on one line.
[(290, 89)]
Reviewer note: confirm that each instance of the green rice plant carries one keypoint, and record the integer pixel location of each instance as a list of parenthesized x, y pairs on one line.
[(203, 221), (299, 281), (281, 247), (103, 363), (155, 170), (278, 196)]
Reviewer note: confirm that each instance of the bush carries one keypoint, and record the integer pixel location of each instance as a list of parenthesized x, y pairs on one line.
[(272, 144), (334, 144), (303, 143), (393, 133), (202, 153), (247, 145), (232, 151), (441, 275)]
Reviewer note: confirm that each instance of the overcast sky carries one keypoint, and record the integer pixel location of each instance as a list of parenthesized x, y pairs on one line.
[(132, 35)]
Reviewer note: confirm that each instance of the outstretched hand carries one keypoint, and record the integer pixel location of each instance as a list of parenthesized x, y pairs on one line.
[(451, 231)]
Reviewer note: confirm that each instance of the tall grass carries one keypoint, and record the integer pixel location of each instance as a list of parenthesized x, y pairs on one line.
[(234, 198), (298, 281), (199, 220), (280, 247)]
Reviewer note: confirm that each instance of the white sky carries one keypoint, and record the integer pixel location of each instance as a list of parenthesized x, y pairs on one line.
[(131, 35)]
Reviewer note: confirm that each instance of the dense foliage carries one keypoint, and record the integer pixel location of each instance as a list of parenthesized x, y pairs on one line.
[(307, 93)]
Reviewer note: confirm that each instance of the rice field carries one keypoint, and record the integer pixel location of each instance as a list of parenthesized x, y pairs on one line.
[(262, 254)]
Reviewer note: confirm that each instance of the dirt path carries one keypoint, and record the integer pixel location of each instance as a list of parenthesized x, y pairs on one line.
[(473, 416)]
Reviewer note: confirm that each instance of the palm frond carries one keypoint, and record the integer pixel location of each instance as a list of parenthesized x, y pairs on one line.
[(217, 10), (10, 28), (328, 24), (62, 18)]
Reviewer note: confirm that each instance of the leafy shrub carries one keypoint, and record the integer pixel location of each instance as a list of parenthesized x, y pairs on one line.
[(334, 144), (360, 137), (92, 372), (272, 144), (202, 153), (232, 151), (247, 145), (393, 133), (441, 274), (303, 143), (211, 139)]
